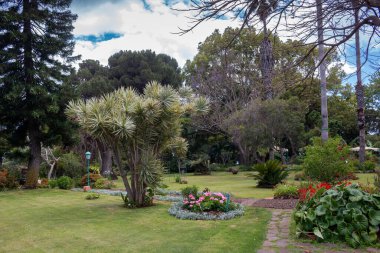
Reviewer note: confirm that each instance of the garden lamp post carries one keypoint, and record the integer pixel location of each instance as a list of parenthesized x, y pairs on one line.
[(88, 157)]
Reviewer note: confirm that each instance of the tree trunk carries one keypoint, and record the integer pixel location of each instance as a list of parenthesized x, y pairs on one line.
[(266, 63), (1, 160), (106, 160), (51, 170), (34, 158), (359, 89), (322, 74)]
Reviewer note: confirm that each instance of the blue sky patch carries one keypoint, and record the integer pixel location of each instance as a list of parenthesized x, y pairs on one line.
[(99, 38)]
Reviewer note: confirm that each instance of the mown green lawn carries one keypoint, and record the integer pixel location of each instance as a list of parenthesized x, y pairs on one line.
[(63, 221)]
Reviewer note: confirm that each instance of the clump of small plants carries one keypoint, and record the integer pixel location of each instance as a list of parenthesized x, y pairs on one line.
[(92, 196), (343, 212)]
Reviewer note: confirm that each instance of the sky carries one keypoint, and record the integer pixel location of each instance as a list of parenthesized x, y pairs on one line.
[(105, 27)]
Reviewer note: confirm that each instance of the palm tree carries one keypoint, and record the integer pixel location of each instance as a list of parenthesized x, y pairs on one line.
[(138, 128)]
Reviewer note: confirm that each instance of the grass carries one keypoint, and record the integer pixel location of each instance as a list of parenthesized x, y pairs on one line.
[(63, 221)]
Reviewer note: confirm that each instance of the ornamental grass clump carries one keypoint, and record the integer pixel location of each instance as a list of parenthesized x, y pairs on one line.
[(341, 213)]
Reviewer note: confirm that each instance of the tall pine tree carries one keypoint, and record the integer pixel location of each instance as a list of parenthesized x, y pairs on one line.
[(36, 46)]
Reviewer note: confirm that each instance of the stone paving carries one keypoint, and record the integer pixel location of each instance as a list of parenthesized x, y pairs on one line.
[(279, 241)]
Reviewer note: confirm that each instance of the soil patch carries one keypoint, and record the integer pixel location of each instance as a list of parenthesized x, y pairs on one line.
[(276, 203)]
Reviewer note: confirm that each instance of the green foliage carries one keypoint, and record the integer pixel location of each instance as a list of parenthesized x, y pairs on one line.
[(300, 176), (95, 169), (32, 94), (377, 180), (70, 165), (285, 191), (139, 128), (92, 196), (53, 183), (343, 213), (327, 162), (137, 68), (269, 174), (189, 190), (64, 182), (103, 183)]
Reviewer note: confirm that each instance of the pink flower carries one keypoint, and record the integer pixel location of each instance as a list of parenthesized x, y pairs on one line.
[(191, 196), (212, 198), (221, 201), (191, 206)]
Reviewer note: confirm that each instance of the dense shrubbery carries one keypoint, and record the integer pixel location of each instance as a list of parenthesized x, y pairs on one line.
[(103, 183), (93, 179), (327, 162), (285, 191), (8, 180), (270, 174), (193, 190), (52, 183), (70, 165), (344, 212), (64, 182), (92, 196)]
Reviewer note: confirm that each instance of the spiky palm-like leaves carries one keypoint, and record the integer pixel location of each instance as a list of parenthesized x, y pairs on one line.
[(269, 174), (138, 128)]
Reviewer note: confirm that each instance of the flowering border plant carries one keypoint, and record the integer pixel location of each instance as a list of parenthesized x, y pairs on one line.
[(207, 202)]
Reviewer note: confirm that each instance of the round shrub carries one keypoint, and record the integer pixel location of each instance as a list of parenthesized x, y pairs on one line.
[(52, 183), (103, 183), (64, 182), (285, 191), (327, 162), (269, 174), (344, 212)]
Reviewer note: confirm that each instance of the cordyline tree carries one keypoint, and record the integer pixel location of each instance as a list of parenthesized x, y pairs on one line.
[(330, 23), (138, 128), (36, 45)]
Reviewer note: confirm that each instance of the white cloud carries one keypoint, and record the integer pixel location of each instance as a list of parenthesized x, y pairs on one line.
[(142, 29)]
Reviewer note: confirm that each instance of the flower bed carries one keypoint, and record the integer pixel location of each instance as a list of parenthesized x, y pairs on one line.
[(206, 206), (177, 210)]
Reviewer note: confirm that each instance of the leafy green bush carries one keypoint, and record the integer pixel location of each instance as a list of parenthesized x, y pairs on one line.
[(327, 162), (269, 174), (92, 196), (189, 190), (344, 213), (285, 191), (52, 183), (103, 183), (64, 182), (70, 165)]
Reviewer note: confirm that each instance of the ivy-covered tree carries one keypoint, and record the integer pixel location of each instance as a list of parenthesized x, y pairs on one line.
[(36, 46)]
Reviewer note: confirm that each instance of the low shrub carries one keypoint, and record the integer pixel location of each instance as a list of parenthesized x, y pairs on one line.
[(8, 180), (93, 179), (43, 183), (103, 183), (190, 190), (234, 171), (269, 174), (183, 181), (52, 183), (70, 164), (64, 182), (344, 212), (178, 179), (328, 161), (285, 191), (92, 196)]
